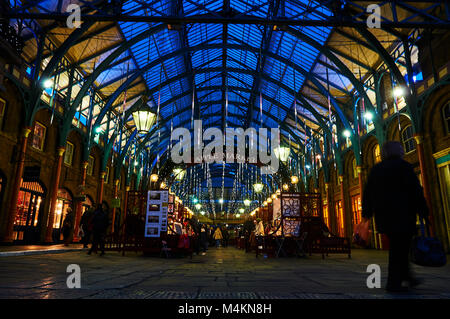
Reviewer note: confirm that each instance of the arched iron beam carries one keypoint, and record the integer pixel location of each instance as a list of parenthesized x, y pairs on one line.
[(207, 70), (243, 47)]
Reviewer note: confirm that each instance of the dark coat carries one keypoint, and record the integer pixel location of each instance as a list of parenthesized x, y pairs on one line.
[(100, 221), (394, 196)]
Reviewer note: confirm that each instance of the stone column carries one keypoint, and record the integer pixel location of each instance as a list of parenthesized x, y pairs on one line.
[(54, 196), (425, 179), (80, 203), (116, 184), (125, 203), (16, 186), (344, 210), (100, 193)]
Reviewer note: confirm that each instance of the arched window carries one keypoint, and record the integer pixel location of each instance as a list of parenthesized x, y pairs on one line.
[(376, 154), (446, 116), (408, 139)]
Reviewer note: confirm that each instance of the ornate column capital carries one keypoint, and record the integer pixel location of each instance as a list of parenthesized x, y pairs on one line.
[(61, 151), (418, 138), (26, 131)]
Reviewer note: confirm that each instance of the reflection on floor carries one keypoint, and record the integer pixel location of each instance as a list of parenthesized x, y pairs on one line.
[(221, 273)]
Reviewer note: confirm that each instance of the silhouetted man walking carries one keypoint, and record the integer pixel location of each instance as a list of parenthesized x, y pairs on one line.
[(394, 196)]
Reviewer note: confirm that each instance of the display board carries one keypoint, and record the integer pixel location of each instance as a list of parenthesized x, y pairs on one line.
[(156, 217)]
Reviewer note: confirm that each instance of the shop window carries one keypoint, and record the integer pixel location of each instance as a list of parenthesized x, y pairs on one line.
[(90, 167), (63, 203), (2, 112), (445, 114), (38, 136), (356, 209), (408, 139), (376, 154), (68, 154), (88, 203), (28, 209), (340, 218), (326, 218)]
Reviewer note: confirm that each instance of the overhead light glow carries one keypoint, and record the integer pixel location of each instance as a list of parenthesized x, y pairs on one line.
[(258, 187), (48, 83), (198, 206), (154, 177), (398, 92), (241, 210), (282, 153), (368, 116), (247, 202), (294, 179), (221, 201), (347, 133)]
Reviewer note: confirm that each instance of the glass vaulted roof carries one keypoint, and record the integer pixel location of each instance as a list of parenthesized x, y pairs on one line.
[(234, 74)]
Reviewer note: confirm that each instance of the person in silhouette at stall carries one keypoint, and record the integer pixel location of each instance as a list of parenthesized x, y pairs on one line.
[(100, 223), (394, 196)]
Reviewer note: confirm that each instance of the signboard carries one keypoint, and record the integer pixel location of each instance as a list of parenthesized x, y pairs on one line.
[(115, 202), (31, 173), (156, 217)]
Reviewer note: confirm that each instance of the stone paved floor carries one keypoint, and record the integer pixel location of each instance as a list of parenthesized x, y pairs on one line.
[(222, 273)]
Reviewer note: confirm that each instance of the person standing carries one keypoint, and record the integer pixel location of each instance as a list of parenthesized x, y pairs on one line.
[(86, 226), (204, 239), (218, 236), (67, 226), (394, 196), (226, 237), (100, 223)]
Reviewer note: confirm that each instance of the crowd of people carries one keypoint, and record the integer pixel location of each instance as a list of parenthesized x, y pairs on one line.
[(93, 228)]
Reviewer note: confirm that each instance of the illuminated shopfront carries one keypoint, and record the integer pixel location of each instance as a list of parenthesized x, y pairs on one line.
[(29, 212), (63, 203)]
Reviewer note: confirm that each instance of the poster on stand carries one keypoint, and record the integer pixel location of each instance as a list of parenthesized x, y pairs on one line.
[(156, 217)]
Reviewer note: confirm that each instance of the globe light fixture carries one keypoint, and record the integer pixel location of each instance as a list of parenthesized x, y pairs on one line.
[(179, 173), (247, 202), (285, 187), (195, 200), (269, 200), (282, 153), (398, 91), (47, 83), (265, 203), (238, 215), (346, 133), (241, 210), (368, 116), (203, 212), (144, 118), (258, 187), (274, 196), (294, 179), (221, 201), (162, 185), (198, 206), (154, 178)]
